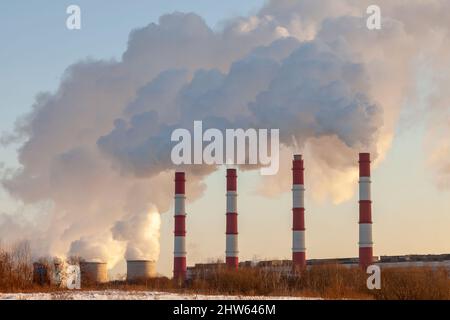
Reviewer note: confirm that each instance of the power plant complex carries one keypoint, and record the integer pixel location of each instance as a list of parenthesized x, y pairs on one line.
[(298, 261), (145, 269)]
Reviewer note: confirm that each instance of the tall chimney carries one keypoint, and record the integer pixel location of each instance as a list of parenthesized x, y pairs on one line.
[(365, 212), (231, 252), (298, 213), (179, 260)]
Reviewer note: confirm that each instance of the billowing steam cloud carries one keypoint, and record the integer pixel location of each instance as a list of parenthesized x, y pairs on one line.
[(97, 152), (141, 232)]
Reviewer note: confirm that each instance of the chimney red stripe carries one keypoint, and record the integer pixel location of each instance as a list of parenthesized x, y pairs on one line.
[(299, 258), (231, 180), (180, 225), (365, 211), (297, 172), (365, 256), (179, 270), (364, 164), (179, 182), (232, 223), (232, 262), (298, 219)]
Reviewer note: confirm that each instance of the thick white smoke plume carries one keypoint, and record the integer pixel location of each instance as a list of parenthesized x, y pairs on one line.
[(97, 152), (143, 228)]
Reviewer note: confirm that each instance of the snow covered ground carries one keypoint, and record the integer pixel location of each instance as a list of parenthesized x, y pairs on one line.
[(130, 295)]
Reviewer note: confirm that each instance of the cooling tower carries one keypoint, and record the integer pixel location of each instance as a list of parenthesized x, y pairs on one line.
[(93, 272), (140, 270)]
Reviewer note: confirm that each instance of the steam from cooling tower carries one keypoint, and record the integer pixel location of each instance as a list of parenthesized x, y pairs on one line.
[(96, 154), (140, 232)]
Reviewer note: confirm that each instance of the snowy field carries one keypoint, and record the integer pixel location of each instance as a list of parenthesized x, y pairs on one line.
[(131, 295)]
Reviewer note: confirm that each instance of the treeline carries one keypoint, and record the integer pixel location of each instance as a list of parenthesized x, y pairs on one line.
[(325, 281), (16, 268)]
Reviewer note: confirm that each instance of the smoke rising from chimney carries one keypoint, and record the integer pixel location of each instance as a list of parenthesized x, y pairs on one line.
[(96, 154)]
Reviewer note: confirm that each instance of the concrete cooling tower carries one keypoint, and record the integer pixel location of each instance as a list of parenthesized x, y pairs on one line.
[(140, 270), (94, 272)]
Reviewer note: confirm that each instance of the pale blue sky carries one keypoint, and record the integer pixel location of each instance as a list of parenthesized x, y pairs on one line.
[(411, 215), (36, 46)]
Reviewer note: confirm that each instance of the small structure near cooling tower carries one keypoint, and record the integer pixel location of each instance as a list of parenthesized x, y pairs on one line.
[(93, 272), (48, 271), (140, 270), (40, 274)]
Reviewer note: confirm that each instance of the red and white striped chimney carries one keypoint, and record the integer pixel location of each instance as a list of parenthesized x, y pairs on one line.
[(298, 212), (365, 212), (179, 259), (231, 251)]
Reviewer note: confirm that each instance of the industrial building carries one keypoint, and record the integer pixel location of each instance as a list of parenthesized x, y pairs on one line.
[(285, 267)]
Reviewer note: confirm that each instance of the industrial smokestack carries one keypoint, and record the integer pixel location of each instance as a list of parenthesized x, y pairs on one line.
[(231, 251), (365, 212), (179, 259), (298, 213)]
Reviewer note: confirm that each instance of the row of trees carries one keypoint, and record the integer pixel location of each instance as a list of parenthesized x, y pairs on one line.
[(16, 268)]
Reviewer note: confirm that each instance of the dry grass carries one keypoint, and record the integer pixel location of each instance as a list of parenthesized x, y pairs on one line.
[(414, 284), (326, 281)]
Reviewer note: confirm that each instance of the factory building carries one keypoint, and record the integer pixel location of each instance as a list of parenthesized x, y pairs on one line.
[(285, 267)]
